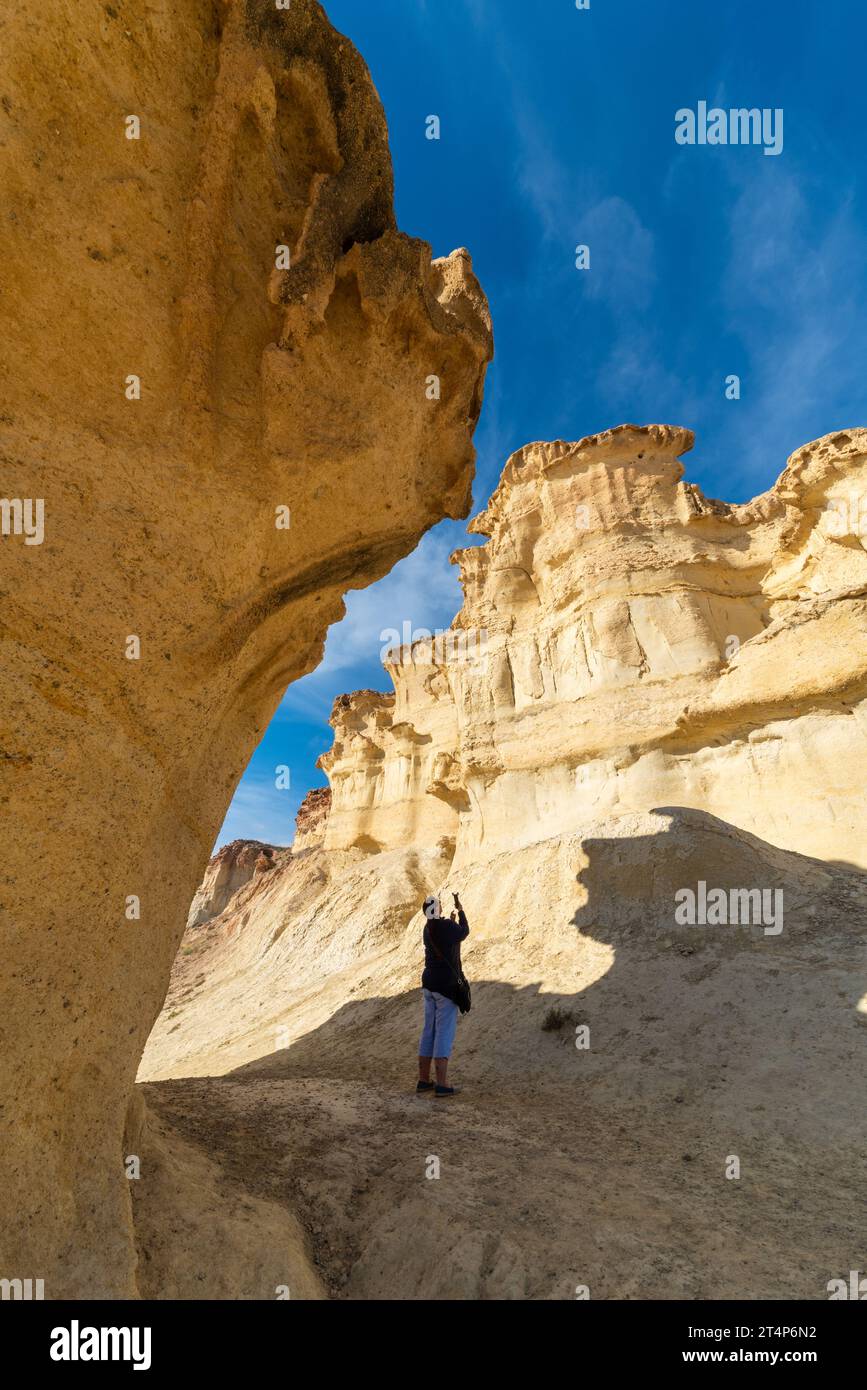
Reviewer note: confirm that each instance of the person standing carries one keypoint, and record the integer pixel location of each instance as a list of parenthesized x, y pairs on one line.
[(442, 937)]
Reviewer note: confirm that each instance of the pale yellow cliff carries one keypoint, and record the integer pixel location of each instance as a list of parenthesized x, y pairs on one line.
[(627, 643)]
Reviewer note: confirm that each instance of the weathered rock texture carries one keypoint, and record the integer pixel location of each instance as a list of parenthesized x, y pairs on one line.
[(260, 389), (626, 643), (230, 868), (607, 746), (312, 818)]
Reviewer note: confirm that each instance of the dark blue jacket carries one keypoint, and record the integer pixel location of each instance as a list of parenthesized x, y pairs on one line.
[(448, 936)]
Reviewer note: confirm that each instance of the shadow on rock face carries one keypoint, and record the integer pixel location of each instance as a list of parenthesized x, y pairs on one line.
[(752, 1015), (597, 1127)]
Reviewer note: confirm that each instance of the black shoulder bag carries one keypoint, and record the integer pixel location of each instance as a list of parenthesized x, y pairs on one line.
[(463, 993)]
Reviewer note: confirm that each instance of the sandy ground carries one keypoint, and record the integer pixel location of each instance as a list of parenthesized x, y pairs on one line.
[(537, 1194), (558, 1167)]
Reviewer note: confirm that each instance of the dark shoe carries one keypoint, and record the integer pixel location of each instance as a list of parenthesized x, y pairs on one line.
[(424, 1086), (442, 1092)]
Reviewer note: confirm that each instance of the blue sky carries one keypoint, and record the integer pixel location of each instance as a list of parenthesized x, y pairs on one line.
[(557, 129)]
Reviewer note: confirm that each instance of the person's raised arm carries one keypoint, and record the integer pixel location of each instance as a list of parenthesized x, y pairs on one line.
[(463, 924)]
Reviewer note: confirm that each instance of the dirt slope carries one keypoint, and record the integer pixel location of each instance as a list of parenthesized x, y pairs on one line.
[(560, 1166)]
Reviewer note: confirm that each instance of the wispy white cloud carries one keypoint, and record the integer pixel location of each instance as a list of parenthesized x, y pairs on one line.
[(422, 591), (622, 265), (793, 288), (259, 811), (638, 386)]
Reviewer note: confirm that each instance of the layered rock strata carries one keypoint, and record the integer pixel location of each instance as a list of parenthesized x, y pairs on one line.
[(626, 643)]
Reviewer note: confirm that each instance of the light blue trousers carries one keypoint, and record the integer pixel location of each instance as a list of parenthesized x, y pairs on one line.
[(440, 1022)]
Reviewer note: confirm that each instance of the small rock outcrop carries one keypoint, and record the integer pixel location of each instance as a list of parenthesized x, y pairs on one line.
[(312, 819), (229, 869)]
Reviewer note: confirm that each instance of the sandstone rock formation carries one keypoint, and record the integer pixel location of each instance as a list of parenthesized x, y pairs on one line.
[(230, 868), (605, 746), (625, 643), (215, 350), (312, 819)]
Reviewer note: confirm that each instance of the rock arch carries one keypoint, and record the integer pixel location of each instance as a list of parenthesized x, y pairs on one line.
[(299, 388)]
